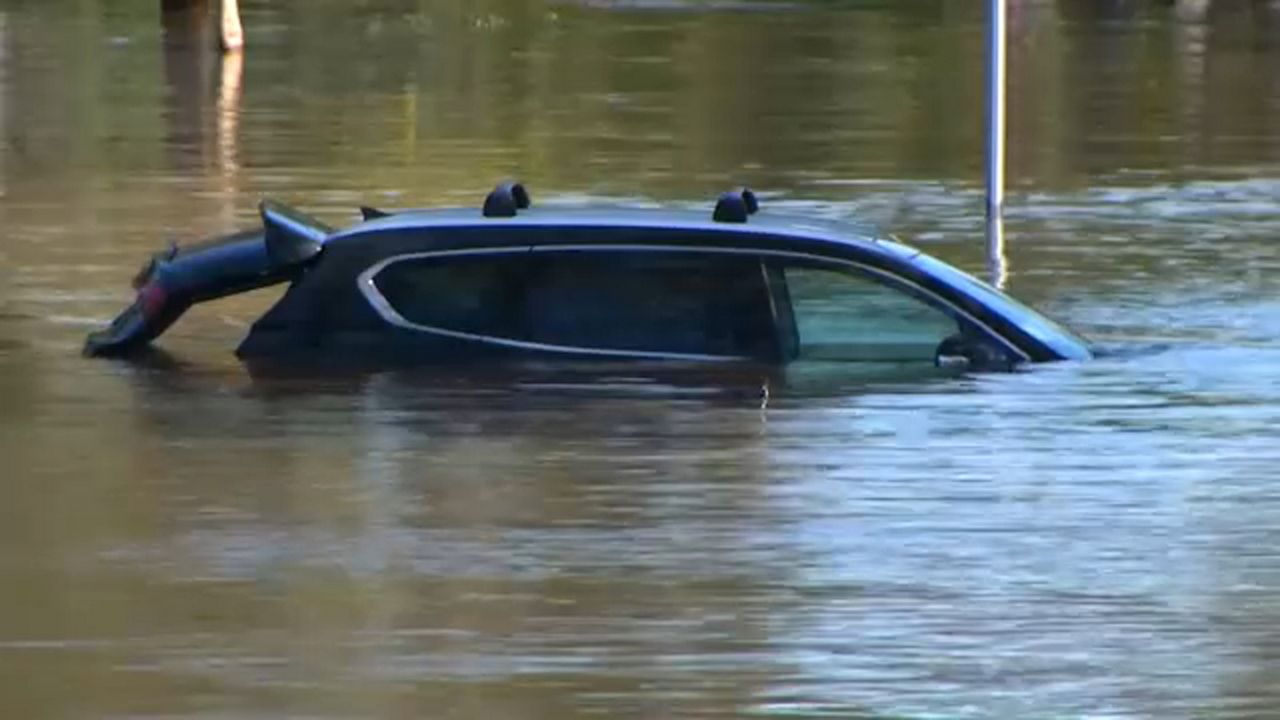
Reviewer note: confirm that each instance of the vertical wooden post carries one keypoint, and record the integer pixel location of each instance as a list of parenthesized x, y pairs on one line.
[(232, 32), (4, 38), (195, 12)]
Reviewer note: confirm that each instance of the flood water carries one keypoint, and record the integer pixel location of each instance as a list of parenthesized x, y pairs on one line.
[(180, 539)]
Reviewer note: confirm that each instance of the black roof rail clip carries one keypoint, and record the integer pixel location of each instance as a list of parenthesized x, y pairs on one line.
[(372, 213), (734, 207), (505, 200)]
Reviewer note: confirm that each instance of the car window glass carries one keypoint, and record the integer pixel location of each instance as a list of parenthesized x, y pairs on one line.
[(664, 302), (477, 294), (844, 315)]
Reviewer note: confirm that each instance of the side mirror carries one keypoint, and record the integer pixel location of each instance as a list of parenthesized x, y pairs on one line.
[(963, 352)]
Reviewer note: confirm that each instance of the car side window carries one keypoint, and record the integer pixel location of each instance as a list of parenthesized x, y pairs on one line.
[(851, 316), (474, 294), (681, 303)]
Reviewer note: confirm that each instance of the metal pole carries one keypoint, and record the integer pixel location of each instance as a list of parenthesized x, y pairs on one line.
[(996, 45)]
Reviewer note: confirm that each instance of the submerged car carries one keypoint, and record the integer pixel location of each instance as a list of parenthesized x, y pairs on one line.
[(511, 282)]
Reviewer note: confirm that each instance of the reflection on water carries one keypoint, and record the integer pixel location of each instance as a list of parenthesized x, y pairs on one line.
[(183, 538)]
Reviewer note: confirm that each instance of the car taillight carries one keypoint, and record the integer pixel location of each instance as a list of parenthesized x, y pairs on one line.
[(151, 299)]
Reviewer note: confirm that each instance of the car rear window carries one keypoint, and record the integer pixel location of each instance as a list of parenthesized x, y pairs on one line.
[(474, 294), (615, 301)]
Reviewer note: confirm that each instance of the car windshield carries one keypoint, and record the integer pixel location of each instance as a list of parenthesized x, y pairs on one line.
[(1031, 321)]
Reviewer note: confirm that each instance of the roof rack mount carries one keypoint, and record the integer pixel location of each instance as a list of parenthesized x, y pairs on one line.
[(735, 206), (506, 199)]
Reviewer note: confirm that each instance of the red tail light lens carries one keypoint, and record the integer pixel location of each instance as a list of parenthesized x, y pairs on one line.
[(151, 298)]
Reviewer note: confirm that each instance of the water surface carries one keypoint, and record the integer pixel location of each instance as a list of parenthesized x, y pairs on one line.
[(180, 538)]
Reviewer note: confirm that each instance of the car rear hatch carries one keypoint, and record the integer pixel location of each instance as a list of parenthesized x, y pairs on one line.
[(179, 277)]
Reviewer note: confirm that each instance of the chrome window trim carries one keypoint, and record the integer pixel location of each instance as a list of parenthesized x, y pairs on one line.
[(383, 307), (380, 304)]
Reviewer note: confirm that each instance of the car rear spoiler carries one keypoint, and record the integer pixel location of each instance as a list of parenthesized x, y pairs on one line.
[(179, 277)]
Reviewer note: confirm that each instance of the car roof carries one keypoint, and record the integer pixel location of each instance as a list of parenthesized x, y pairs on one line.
[(863, 236)]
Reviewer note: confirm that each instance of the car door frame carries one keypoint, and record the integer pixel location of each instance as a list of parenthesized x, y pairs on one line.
[(766, 246), (662, 241)]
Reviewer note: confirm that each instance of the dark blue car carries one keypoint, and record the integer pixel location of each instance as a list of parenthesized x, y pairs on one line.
[(510, 282)]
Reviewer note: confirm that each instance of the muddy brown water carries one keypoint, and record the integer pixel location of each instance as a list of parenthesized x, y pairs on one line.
[(179, 538)]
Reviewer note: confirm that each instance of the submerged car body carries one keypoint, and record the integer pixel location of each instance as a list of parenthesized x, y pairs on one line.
[(510, 282)]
